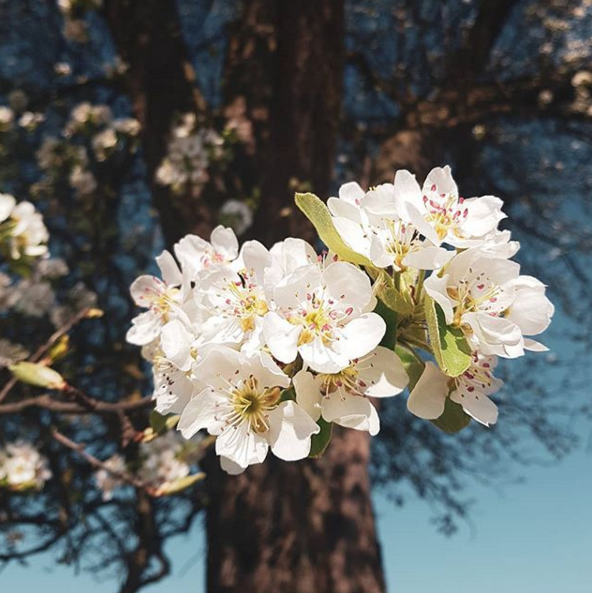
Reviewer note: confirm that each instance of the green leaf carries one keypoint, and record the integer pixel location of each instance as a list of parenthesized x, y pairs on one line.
[(413, 365), (389, 339), (454, 419), (388, 294), (317, 212), (288, 395), (449, 345), (161, 424), (38, 375), (179, 485), (320, 441)]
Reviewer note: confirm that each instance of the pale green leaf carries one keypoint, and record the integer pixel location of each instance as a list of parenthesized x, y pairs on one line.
[(179, 485), (317, 212), (38, 375), (449, 345)]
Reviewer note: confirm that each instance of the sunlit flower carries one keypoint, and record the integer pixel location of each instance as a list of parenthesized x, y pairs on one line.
[(162, 298), (321, 315), (372, 224), (237, 215), (471, 390), (23, 466), (491, 303), (441, 215), (342, 397), (242, 405)]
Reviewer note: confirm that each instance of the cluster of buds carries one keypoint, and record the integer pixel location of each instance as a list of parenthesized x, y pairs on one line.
[(266, 349)]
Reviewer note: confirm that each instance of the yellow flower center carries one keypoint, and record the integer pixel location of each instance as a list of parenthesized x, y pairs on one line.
[(252, 404), (347, 378)]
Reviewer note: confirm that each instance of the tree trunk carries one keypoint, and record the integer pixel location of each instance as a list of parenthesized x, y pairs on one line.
[(285, 62), (305, 526), (297, 527)]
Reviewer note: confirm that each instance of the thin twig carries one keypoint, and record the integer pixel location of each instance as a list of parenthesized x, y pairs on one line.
[(42, 350), (92, 460), (48, 403)]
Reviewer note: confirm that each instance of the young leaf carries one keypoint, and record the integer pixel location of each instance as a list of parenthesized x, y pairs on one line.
[(315, 210), (387, 293), (320, 441), (161, 424), (453, 419), (449, 345), (38, 375)]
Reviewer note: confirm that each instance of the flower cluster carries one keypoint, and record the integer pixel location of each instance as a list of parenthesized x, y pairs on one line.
[(190, 152), (267, 348), (405, 227), (22, 467), (90, 138), (162, 461), (22, 232)]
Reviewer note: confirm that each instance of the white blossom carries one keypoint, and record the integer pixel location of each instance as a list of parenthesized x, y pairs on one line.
[(22, 466), (471, 390), (342, 397), (242, 406), (491, 303), (322, 315), (237, 215), (372, 224), (6, 118), (440, 214)]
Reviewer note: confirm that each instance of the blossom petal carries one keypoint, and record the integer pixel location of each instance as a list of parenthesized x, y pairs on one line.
[(169, 268), (477, 405), (145, 328), (145, 290), (351, 192), (322, 358), (428, 258), (231, 468), (360, 336), (383, 373), (224, 242), (347, 285), (175, 342), (428, 397), (201, 413), (351, 411), (308, 394), (290, 429), (281, 337), (242, 445)]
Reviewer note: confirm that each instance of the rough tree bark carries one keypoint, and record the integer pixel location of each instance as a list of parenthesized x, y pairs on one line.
[(285, 63), (306, 526)]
